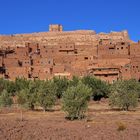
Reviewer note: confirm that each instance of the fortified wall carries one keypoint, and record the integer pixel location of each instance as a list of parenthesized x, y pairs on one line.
[(44, 55)]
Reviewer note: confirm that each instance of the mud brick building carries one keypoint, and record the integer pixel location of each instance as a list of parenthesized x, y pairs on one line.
[(43, 55)]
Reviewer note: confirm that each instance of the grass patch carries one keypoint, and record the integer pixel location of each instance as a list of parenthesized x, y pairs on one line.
[(121, 126)]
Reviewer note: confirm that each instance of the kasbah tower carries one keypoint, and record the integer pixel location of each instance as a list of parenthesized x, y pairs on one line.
[(43, 55)]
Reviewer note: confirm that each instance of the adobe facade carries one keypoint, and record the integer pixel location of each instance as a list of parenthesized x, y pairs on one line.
[(44, 55)]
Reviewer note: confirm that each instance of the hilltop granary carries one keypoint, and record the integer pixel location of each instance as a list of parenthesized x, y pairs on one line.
[(44, 55)]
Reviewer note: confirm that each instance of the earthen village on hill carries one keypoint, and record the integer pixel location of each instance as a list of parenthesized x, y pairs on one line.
[(44, 55)]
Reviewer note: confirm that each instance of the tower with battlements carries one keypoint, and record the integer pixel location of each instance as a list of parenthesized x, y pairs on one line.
[(55, 27)]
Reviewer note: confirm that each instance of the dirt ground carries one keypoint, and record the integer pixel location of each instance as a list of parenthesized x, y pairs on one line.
[(102, 123)]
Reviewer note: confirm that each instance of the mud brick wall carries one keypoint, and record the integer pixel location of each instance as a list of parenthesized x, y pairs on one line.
[(108, 56)]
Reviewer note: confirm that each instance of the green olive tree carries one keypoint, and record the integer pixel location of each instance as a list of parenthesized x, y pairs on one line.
[(124, 94), (75, 100)]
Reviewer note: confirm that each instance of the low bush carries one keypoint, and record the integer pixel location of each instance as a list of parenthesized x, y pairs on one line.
[(124, 94), (47, 95), (61, 85), (121, 126), (99, 88), (75, 100), (5, 99)]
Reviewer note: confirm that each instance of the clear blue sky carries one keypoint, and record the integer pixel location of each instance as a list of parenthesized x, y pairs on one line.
[(24, 16)]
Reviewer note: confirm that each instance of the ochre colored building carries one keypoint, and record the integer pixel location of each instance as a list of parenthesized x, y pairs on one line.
[(44, 55)]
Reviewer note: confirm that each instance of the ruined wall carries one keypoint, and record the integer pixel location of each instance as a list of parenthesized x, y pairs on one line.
[(56, 34), (43, 55)]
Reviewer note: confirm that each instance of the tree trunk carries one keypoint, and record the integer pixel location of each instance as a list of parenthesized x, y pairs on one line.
[(21, 115), (32, 107)]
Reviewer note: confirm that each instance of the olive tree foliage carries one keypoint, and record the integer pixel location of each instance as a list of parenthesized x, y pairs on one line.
[(28, 96), (7, 90), (22, 98), (7, 85), (5, 99), (1, 84), (99, 88), (13, 87), (74, 81), (75, 100), (47, 94), (124, 94), (61, 84), (21, 83), (39, 93), (135, 85)]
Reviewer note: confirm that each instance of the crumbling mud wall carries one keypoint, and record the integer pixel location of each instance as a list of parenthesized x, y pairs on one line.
[(43, 55)]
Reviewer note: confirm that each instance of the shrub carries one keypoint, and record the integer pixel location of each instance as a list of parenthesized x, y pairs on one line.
[(47, 94), (28, 96), (22, 97), (121, 126), (21, 83), (31, 93), (42, 93), (75, 100), (124, 94), (5, 99), (7, 85), (1, 84), (61, 85), (99, 88), (10, 87), (74, 81)]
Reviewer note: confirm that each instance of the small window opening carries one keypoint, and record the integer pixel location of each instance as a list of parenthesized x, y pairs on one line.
[(122, 43)]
